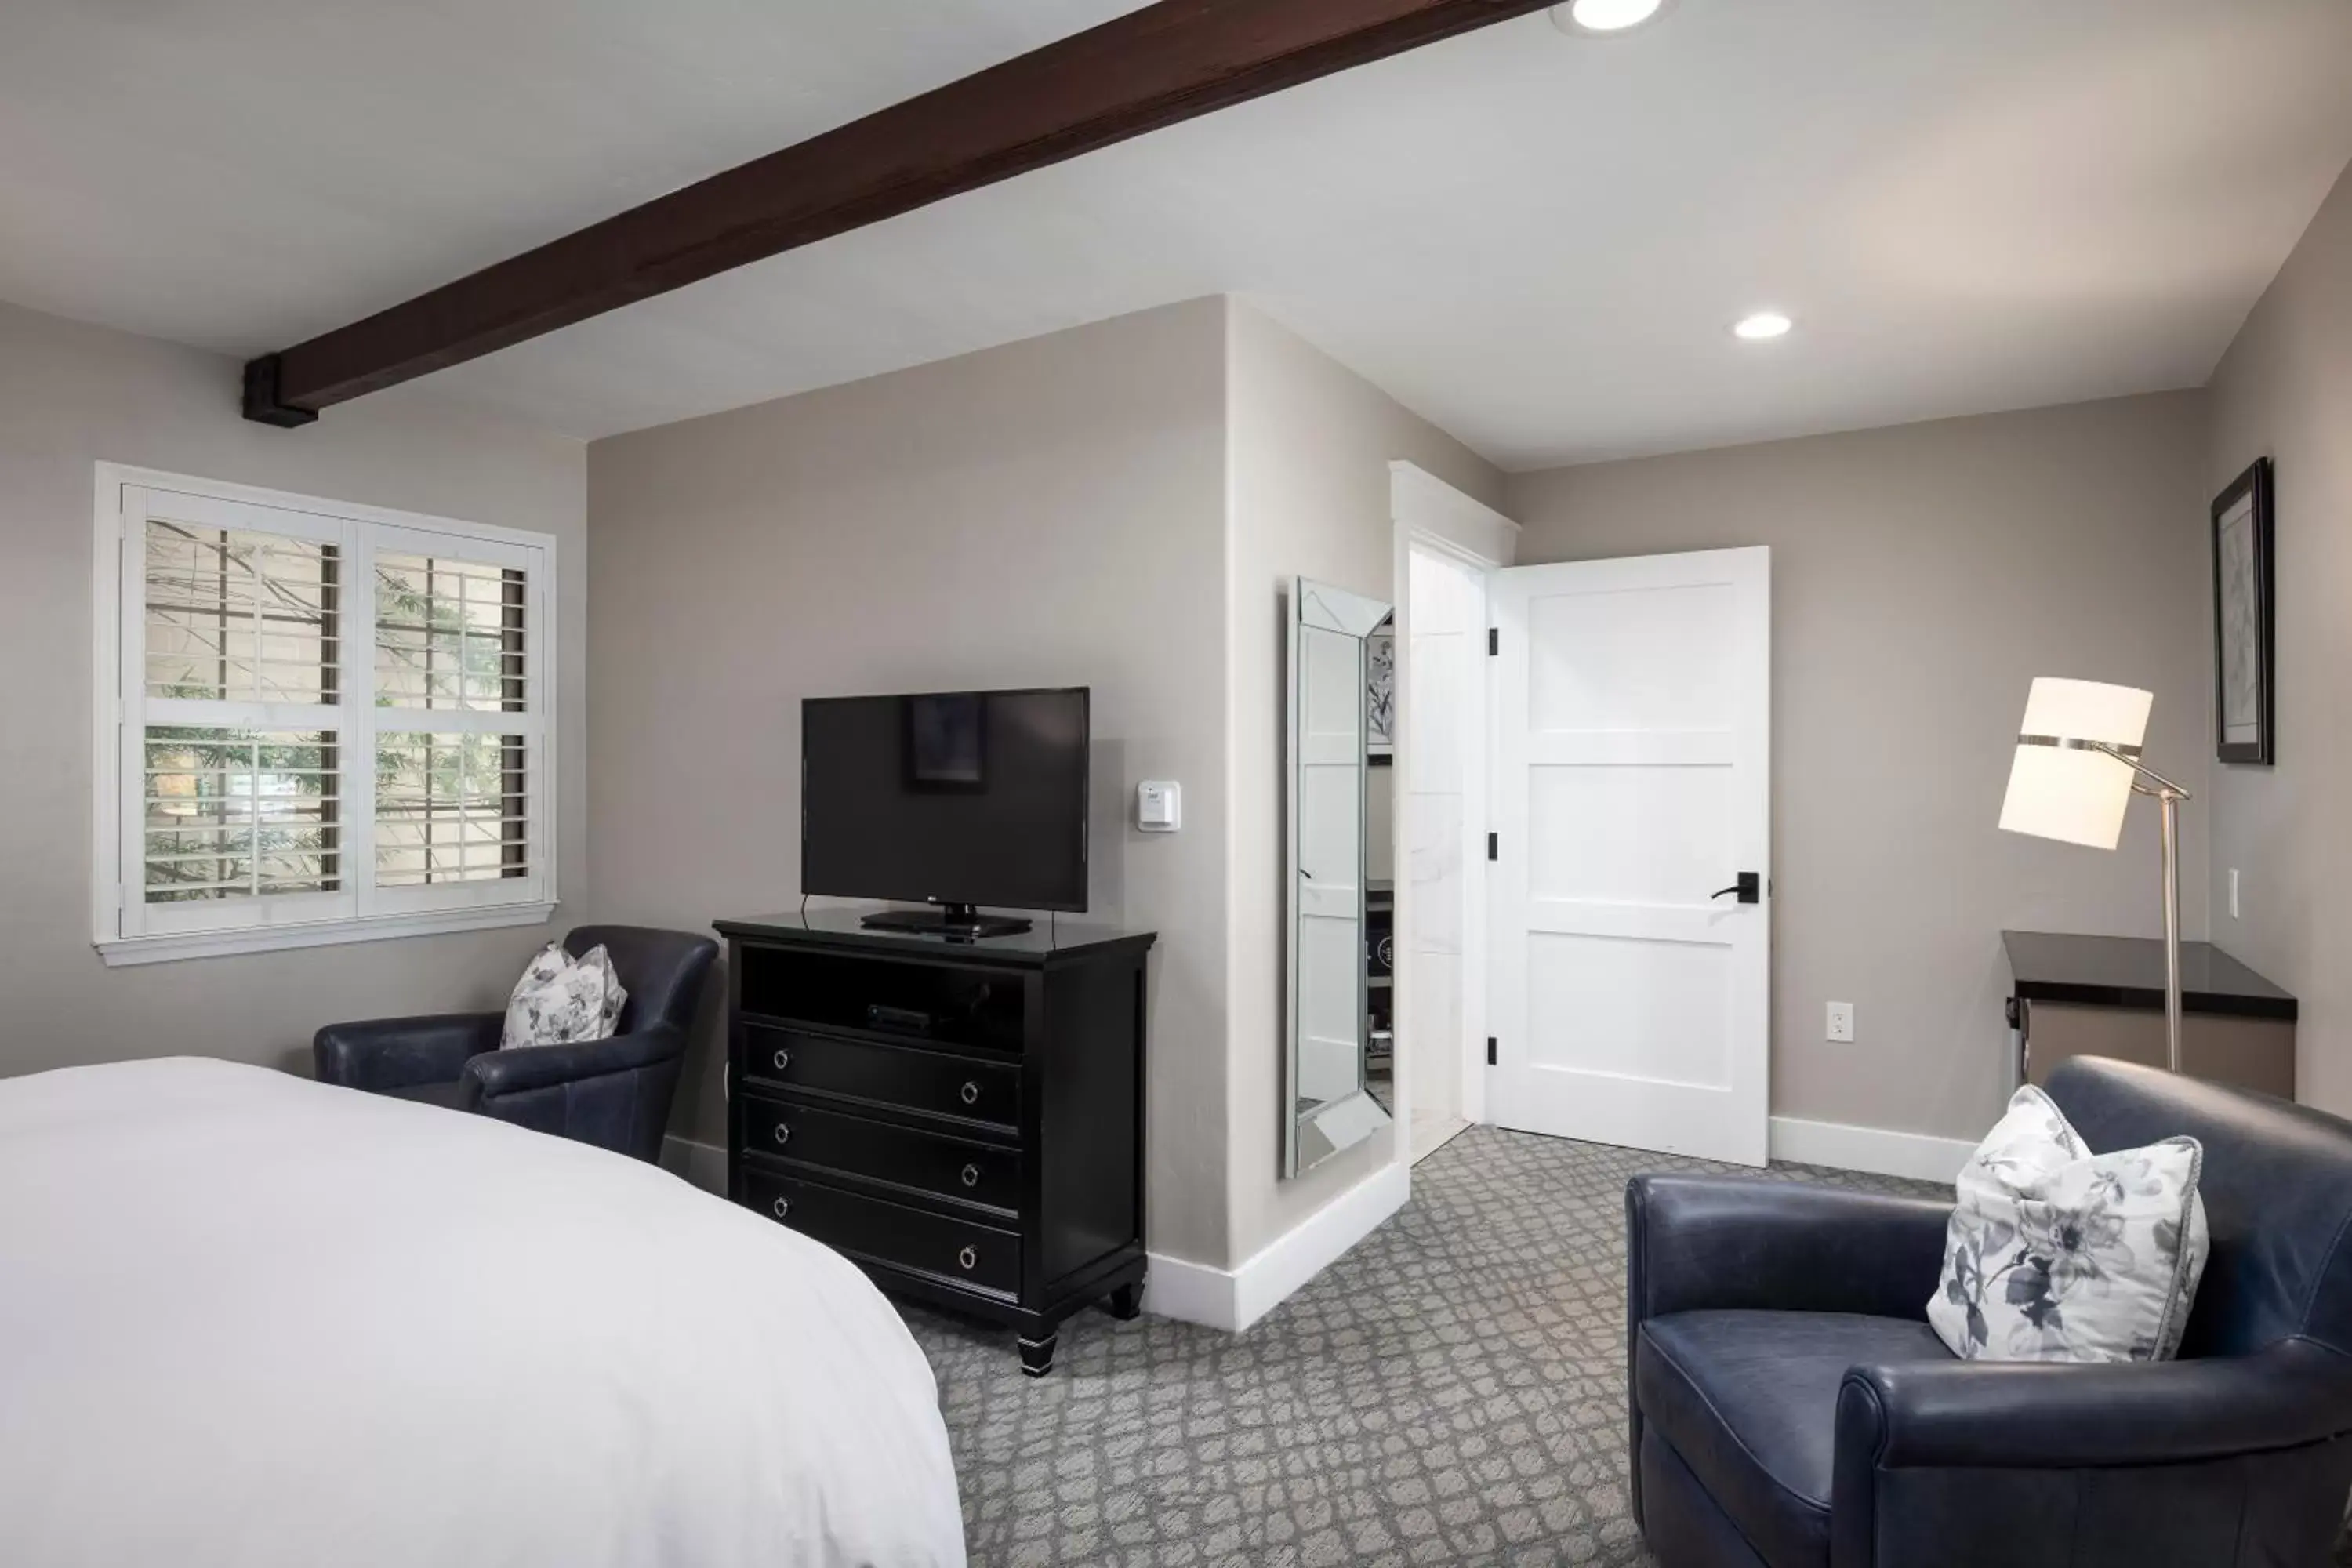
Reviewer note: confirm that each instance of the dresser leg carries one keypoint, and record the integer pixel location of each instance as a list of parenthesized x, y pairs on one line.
[(1126, 1304), (1037, 1355)]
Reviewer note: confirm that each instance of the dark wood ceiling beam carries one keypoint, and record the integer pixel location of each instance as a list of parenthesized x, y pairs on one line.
[(1153, 67)]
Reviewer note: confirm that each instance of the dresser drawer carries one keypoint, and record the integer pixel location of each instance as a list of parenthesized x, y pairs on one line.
[(957, 1251), (900, 1076), (884, 1151)]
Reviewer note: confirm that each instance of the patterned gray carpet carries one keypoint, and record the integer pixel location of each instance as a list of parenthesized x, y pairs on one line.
[(1453, 1391)]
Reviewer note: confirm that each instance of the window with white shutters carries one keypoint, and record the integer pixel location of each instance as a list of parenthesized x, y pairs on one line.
[(316, 722)]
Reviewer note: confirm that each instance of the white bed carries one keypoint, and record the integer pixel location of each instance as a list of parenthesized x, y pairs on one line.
[(246, 1319)]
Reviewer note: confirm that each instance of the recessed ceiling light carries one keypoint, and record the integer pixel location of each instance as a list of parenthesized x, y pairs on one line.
[(1604, 15), (1763, 326)]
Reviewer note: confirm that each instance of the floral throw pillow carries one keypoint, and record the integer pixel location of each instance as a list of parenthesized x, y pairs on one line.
[(561, 1000), (2058, 1254)]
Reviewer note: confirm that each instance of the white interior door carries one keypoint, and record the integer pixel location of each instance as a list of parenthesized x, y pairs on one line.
[(1631, 1003)]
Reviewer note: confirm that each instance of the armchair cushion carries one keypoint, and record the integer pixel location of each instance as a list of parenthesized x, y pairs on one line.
[(1749, 1401)]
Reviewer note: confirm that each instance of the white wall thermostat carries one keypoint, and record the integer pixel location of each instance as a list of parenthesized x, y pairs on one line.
[(1158, 805)]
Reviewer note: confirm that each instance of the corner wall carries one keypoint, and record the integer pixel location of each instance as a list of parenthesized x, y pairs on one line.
[(1311, 443), (72, 395), (1048, 513), (2284, 390), (1120, 505), (1921, 577)]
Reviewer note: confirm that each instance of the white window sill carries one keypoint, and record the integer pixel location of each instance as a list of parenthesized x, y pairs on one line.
[(120, 951)]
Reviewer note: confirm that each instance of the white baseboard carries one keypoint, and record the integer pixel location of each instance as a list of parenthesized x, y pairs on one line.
[(1918, 1155), (704, 1164), (1233, 1299), (1230, 1298)]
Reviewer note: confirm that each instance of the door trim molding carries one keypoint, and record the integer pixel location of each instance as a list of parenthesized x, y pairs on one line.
[(1428, 514)]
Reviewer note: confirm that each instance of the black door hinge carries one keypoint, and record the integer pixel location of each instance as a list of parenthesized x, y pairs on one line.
[(1494, 641), (1494, 846), (1490, 1050)]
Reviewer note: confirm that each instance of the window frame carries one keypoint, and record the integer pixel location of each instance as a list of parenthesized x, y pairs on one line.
[(126, 928)]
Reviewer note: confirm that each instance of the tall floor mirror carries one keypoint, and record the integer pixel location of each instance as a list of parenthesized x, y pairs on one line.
[(1329, 1105)]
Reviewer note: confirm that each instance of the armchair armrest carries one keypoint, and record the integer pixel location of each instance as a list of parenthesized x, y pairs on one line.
[(503, 1073), (393, 1053), (2035, 1414), (1699, 1242)]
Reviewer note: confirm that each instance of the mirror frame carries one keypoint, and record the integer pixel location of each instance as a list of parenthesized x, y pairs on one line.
[(1311, 1137)]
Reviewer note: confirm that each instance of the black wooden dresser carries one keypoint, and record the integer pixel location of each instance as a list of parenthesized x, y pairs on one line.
[(963, 1119)]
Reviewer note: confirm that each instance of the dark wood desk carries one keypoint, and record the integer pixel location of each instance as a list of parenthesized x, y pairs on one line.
[(2103, 995)]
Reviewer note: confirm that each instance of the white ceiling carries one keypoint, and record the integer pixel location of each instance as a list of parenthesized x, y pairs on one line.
[(1534, 240)]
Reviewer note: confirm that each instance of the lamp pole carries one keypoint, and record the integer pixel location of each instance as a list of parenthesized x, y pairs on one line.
[(2168, 796)]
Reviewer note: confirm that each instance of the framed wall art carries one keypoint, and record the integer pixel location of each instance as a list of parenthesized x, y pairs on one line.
[(2245, 689)]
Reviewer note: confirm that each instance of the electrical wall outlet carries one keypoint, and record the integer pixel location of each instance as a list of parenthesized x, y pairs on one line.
[(1841, 1022)]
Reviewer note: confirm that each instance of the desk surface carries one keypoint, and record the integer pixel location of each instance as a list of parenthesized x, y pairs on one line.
[(2129, 972)]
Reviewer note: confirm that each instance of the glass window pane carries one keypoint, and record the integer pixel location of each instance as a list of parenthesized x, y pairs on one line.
[(236, 813), (448, 808), (240, 617), (449, 635)]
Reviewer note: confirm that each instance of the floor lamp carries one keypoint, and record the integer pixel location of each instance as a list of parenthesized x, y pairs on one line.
[(2076, 769)]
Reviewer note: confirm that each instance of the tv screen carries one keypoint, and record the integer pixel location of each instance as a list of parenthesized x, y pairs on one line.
[(955, 797)]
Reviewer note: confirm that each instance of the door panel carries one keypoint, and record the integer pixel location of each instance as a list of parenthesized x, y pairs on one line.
[(1638, 658), (1673, 831), (1633, 1007), (1631, 782)]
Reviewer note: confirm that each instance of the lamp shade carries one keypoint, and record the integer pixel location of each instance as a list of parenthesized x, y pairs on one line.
[(2058, 787)]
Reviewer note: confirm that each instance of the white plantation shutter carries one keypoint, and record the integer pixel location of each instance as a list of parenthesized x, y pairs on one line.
[(233, 698), (458, 734), (317, 720)]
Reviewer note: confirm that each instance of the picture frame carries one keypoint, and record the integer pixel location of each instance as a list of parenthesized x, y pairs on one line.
[(1379, 696), (2244, 632)]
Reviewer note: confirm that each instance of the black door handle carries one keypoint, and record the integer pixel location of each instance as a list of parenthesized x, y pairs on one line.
[(1750, 888)]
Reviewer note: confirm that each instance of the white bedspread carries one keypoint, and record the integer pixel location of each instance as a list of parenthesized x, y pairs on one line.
[(249, 1319)]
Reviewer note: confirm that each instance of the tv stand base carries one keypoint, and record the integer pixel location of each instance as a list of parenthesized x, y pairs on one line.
[(947, 919)]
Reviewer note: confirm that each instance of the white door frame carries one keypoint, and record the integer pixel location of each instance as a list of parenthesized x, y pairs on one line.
[(1429, 514)]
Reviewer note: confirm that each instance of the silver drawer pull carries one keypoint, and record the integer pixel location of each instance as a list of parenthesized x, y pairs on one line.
[(972, 1175), (784, 1060), (971, 1094), (967, 1258), (784, 1206), (783, 1133)]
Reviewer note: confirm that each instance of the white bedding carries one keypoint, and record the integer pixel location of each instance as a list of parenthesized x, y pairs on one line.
[(249, 1319)]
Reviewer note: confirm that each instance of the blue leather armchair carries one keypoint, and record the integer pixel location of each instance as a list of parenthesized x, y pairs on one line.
[(612, 1092), (1791, 1408)]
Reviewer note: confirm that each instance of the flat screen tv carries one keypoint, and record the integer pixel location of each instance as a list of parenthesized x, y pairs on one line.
[(954, 799)]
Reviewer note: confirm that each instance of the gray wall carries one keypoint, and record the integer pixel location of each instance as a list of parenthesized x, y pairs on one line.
[(1311, 442), (1048, 513), (2284, 390), (1922, 576), (72, 395)]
